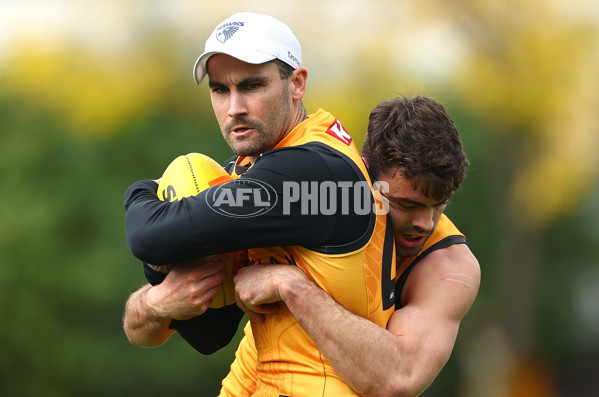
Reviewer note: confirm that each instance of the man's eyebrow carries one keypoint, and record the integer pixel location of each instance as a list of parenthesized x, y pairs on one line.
[(410, 201), (215, 84), (402, 199), (244, 82), (252, 80)]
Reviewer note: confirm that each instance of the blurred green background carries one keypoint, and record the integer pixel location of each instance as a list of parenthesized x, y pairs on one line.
[(95, 95)]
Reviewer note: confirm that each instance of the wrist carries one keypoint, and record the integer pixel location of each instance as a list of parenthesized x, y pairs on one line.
[(295, 286), (150, 300)]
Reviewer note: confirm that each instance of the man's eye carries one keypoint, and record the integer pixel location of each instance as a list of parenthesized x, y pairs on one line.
[(406, 206), (219, 90), (402, 205)]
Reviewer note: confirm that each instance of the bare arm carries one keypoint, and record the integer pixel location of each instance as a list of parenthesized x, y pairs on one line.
[(142, 325), (401, 360), (186, 292)]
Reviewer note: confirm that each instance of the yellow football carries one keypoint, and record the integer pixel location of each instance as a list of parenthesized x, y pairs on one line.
[(186, 176)]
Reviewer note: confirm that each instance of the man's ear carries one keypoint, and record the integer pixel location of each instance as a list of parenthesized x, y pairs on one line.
[(298, 81)]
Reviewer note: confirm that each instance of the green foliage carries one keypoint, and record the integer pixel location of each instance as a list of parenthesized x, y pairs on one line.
[(77, 130), (66, 270)]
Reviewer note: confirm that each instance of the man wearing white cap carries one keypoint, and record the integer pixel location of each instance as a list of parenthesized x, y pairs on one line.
[(324, 219)]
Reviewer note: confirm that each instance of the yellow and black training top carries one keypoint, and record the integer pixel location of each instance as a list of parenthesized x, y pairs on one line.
[(307, 202)]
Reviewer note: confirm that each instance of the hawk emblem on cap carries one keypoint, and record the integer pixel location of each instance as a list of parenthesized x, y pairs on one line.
[(226, 33)]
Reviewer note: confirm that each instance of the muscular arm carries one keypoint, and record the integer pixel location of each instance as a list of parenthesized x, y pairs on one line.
[(401, 360)]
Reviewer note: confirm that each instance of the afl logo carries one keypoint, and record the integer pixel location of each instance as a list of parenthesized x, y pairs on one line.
[(226, 33), (242, 198)]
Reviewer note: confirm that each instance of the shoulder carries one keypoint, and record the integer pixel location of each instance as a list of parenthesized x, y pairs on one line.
[(448, 277), (314, 160), (455, 257), (306, 150)]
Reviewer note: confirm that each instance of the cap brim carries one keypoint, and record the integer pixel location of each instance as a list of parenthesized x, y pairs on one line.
[(254, 57), (199, 69)]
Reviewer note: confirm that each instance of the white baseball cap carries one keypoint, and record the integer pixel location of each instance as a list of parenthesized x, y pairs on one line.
[(252, 38)]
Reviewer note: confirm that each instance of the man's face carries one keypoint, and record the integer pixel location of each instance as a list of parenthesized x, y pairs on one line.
[(251, 103), (414, 216)]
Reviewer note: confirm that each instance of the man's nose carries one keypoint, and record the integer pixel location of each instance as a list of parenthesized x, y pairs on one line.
[(237, 105), (424, 218)]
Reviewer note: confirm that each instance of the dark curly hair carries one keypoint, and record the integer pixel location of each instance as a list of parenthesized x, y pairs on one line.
[(416, 137)]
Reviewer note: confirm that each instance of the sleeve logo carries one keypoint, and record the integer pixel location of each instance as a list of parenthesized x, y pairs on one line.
[(336, 130)]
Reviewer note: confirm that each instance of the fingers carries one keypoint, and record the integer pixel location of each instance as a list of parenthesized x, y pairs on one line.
[(187, 290), (181, 304), (269, 308), (257, 317), (255, 292), (254, 316), (201, 285)]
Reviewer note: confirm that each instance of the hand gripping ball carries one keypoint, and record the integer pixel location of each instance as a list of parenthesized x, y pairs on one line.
[(187, 176)]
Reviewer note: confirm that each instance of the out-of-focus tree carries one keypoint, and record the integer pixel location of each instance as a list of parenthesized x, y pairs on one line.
[(76, 131), (90, 95), (81, 121), (533, 76), (530, 75)]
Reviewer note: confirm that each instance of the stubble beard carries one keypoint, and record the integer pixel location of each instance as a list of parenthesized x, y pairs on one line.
[(407, 252), (411, 251), (251, 145), (266, 134)]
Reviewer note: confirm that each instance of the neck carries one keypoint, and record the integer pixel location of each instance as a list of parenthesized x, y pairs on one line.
[(299, 115), (302, 115)]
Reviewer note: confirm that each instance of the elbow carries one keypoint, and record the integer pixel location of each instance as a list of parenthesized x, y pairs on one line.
[(383, 391), (143, 235), (396, 386), (159, 241), (402, 390), (135, 236), (136, 244), (144, 245), (408, 385), (394, 391)]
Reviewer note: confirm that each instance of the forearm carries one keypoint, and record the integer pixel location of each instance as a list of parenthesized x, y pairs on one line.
[(369, 358), (142, 326), (170, 232), (401, 360)]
